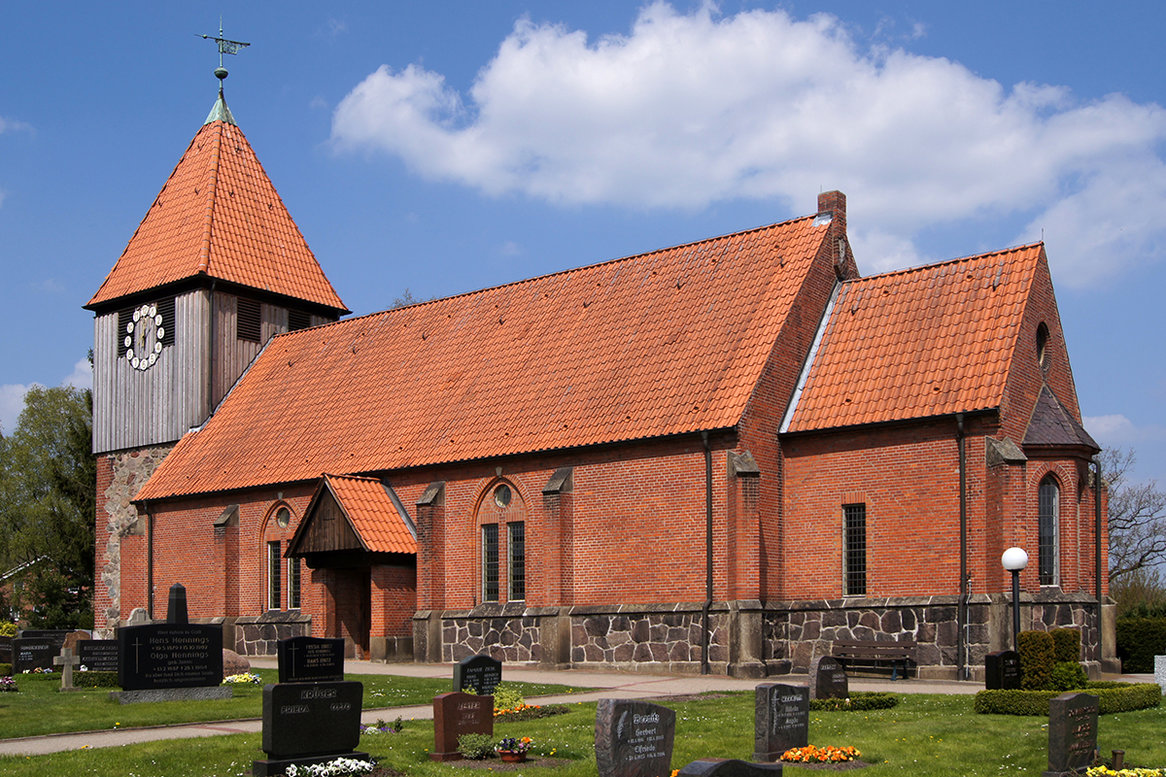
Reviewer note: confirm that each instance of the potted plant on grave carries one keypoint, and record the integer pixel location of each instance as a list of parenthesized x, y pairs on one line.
[(513, 750)]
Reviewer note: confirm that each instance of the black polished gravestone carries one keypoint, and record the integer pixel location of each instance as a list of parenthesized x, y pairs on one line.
[(781, 719), (32, 653), (309, 723), (633, 738), (98, 655), (158, 657), (480, 673), (1072, 733), (310, 659), (721, 767), (5, 650), (828, 679), (1002, 670)]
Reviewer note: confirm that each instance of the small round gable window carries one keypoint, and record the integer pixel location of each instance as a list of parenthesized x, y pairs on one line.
[(1042, 346), (283, 517), (502, 496)]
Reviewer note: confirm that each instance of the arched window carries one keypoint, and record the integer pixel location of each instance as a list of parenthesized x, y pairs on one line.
[(501, 522), (1049, 531), (280, 572)]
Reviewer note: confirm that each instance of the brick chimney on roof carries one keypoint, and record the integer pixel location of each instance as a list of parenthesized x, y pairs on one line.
[(834, 202)]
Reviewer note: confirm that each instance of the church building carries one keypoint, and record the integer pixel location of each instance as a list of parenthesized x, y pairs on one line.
[(721, 457)]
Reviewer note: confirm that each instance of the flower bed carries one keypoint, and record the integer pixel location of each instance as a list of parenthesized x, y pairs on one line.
[(823, 755)]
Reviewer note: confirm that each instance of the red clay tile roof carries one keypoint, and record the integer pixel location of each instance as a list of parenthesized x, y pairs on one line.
[(373, 515), (219, 216), (917, 343), (663, 343)]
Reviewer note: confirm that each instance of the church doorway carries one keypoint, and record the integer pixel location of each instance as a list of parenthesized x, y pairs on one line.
[(349, 608)]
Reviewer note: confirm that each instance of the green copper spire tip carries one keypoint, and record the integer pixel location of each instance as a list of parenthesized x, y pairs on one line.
[(220, 111)]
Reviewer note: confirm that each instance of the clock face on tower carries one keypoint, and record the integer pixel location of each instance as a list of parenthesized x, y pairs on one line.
[(143, 337)]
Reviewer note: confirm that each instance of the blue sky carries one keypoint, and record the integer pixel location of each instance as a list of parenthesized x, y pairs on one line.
[(443, 147)]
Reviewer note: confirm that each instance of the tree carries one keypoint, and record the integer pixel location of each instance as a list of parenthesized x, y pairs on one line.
[(47, 505), (1137, 518)]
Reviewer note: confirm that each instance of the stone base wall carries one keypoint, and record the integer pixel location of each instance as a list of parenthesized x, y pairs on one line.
[(747, 638), (257, 635)]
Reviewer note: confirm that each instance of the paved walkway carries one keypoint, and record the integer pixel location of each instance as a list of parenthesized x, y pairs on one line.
[(620, 685)]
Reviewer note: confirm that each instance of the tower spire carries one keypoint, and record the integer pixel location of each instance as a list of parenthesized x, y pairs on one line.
[(220, 112)]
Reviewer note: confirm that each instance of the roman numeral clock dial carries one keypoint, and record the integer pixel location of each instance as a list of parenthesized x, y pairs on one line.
[(143, 337)]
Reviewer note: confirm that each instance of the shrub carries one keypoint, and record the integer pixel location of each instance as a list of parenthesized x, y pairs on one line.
[(508, 696), (8, 629), (1068, 675), (5, 669), (1036, 659), (1111, 696), (858, 701), (95, 679), (1066, 645), (1138, 641), (475, 746)]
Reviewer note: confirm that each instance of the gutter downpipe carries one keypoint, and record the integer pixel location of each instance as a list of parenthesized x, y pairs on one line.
[(149, 561), (708, 549), (1097, 553), (962, 609)]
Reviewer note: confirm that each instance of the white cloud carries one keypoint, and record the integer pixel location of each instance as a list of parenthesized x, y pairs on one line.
[(1117, 430), (688, 109), (12, 394), (81, 377)]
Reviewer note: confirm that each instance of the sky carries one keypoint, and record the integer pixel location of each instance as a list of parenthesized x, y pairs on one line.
[(449, 146)]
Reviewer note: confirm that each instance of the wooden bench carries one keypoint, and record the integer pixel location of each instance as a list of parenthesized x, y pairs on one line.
[(871, 652)]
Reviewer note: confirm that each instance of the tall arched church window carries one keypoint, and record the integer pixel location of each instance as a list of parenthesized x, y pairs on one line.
[(501, 519), (1048, 548)]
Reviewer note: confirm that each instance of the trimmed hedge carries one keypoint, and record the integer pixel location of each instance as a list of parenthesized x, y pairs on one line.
[(1138, 641), (5, 670), (1111, 697), (1066, 645), (1068, 675), (95, 680), (858, 701), (1037, 659)]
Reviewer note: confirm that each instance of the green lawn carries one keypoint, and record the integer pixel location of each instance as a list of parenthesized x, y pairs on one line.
[(40, 707), (926, 735)]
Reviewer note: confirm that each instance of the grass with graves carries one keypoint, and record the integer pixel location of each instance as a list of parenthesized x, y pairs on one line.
[(924, 735), (41, 708)]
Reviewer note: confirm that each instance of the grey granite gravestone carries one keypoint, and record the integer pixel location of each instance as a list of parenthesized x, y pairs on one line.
[(309, 723), (1002, 670), (828, 679), (455, 714), (781, 719), (1159, 672), (310, 659), (1072, 732), (633, 738), (481, 673), (170, 661), (721, 767)]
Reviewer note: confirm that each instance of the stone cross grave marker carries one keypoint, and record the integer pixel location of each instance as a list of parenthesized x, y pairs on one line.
[(309, 723), (310, 659), (1072, 732), (480, 672), (720, 767), (633, 738), (1002, 670), (455, 714), (67, 661), (781, 719), (828, 679), (174, 654)]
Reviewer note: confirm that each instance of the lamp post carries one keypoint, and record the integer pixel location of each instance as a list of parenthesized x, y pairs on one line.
[(1014, 560)]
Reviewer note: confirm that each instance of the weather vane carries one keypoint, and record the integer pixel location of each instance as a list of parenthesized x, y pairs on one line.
[(225, 47)]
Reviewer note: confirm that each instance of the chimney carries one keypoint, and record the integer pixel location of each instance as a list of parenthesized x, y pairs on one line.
[(834, 202)]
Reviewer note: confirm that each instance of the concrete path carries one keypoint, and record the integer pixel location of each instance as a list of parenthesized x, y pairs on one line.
[(620, 685)]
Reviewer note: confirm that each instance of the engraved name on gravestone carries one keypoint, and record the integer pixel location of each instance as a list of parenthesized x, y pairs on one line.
[(633, 738), (480, 672), (781, 719), (310, 659), (175, 654), (720, 767), (828, 679), (455, 714), (98, 655), (1002, 670), (1072, 732)]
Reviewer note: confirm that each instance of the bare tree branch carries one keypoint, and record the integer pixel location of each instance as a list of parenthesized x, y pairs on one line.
[(1137, 516)]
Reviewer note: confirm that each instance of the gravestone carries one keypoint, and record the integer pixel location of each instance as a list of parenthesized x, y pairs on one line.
[(158, 660), (480, 672), (828, 679), (1159, 671), (29, 653), (781, 719), (55, 636), (455, 714), (1072, 732), (310, 659), (1002, 670), (5, 650), (309, 723), (633, 738), (98, 655), (721, 767), (67, 661)]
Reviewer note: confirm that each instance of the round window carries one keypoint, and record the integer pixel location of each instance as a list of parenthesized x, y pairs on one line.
[(502, 495), (283, 517)]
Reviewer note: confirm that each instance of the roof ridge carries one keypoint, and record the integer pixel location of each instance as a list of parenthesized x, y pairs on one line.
[(945, 262), (204, 257)]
